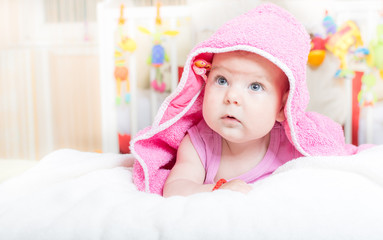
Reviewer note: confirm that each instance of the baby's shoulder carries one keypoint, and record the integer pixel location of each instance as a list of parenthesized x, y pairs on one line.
[(203, 137)]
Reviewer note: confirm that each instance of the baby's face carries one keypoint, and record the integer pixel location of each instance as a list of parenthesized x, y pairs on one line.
[(243, 96)]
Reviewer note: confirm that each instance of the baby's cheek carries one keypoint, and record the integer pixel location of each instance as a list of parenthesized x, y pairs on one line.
[(206, 109)]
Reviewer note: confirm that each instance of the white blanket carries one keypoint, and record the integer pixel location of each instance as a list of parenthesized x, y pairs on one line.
[(79, 195)]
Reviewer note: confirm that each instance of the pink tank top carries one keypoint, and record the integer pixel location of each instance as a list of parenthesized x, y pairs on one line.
[(208, 145)]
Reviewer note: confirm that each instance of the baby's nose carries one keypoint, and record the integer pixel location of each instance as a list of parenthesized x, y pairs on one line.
[(233, 96)]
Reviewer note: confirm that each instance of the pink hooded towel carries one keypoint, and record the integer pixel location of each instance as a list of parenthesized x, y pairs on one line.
[(269, 31)]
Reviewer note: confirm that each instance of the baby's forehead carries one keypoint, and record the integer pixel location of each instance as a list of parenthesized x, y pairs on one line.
[(231, 59), (236, 61)]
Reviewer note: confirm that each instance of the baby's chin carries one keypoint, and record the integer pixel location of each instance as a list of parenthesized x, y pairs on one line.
[(238, 138), (233, 138)]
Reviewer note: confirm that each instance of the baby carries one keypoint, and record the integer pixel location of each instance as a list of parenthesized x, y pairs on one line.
[(242, 107), (238, 112)]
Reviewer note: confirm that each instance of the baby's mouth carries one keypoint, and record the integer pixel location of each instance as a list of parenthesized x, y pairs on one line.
[(230, 117)]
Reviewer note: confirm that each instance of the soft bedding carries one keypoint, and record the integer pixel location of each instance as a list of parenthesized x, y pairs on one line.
[(80, 195)]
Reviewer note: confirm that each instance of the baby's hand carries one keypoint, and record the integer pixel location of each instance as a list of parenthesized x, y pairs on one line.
[(237, 185)]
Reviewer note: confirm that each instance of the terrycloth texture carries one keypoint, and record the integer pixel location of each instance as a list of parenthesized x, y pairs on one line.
[(75, 195), (271, 32), (208, 145)]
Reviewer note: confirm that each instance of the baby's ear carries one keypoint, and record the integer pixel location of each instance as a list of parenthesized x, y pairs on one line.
[(281, 114)]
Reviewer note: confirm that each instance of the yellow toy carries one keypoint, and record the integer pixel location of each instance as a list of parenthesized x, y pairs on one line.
[(347, 35), (121, 72)]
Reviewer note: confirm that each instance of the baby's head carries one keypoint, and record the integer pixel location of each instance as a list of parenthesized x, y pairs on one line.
[(245, 95)]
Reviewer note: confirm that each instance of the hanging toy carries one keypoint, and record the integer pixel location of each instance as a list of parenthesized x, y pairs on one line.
[(317, 52), (329, 24), (121, 72), (347, 36), (158, 55)]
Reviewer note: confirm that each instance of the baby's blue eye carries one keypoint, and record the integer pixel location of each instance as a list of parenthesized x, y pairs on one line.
[(256, 87), (221, 81)]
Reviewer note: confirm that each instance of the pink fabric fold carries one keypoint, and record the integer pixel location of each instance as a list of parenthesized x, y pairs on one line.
[(271, 32)]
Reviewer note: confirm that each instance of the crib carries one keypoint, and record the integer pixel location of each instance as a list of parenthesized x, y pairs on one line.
[(71, 194)]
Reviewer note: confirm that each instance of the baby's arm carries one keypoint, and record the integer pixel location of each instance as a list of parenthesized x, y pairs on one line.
[(188, 174)]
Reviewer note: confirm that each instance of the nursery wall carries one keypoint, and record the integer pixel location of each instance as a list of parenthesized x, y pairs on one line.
[(49, 83)]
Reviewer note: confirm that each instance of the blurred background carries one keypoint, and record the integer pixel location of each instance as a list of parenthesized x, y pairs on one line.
[(58, 85)]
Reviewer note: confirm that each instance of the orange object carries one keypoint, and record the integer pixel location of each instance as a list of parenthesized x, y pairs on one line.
[(316, 57), (219, 184), (317, 53), (121, 73)]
